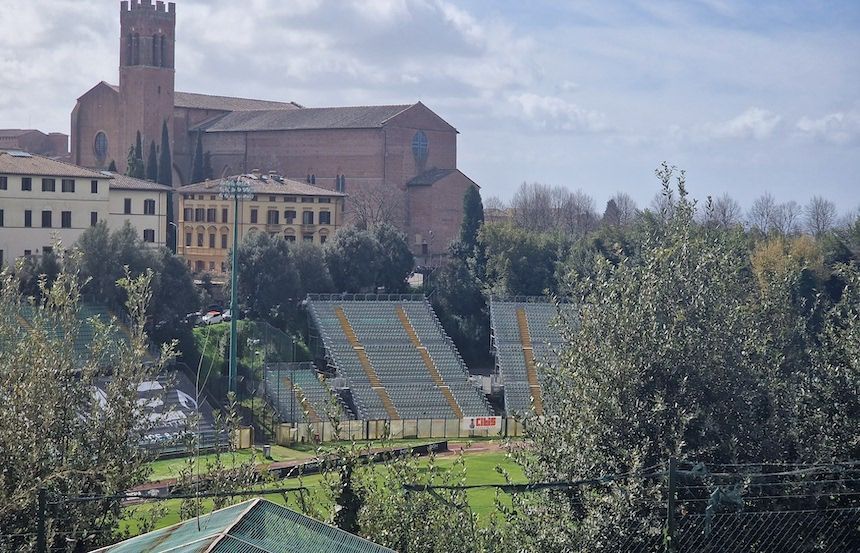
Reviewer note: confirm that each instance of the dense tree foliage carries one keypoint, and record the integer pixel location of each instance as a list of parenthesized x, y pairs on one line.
[(268, 279), (62, 438)]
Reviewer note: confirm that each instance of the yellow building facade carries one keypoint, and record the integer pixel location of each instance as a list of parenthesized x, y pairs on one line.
[(278, 206)]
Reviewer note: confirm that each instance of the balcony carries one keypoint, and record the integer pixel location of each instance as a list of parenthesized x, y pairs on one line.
[(274, 227)]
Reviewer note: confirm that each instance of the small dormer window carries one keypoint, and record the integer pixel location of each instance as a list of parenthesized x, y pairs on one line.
[(419, 147)]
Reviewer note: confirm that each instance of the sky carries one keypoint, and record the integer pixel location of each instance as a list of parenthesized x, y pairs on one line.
[(746, 97)]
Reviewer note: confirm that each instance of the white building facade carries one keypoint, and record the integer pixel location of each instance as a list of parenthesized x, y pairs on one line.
[(44, 201)]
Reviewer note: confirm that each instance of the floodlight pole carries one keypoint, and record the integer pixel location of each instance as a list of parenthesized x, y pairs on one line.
[(234, 328), (236, 190)]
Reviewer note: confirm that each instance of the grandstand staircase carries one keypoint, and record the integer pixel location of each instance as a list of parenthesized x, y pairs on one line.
[(528, 353), (372, 377), (428, 362), (303, 401)]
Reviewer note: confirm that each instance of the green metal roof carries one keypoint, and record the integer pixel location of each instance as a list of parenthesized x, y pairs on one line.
[(253, 526)]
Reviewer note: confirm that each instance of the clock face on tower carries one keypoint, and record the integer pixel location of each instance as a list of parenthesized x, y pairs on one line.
[(419, 147)]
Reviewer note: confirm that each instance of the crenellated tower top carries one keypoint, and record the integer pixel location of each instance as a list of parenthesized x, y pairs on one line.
[(148, 33)]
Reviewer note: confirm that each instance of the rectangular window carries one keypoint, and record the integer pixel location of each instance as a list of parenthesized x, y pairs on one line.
[(94, 218), (28, 253), (307, 200), (94, 187), (199, 239), (67, 185), (211, 265), (49, 185), (66, 219), (290, 199), (26, 184), (149, 207), (223, 241), (223, 267), (46, 219), (149, 235), (307, 217), (187, 238), (212, 240), (273, 217), (210, 215), (325, 200), (323, 238), (4, 182), (199, 214), (272, 198), (308, 237), (187, 214), (325, 217), (212, 197), (28, 218), (223, 214), (253, 215), (1, 217), (126, 206), (290, 238), (1, 258), (289, 216)]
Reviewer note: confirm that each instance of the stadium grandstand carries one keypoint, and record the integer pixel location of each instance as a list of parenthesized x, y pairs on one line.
[(298, 394), (171, 396), (523, 334), (394, 357)]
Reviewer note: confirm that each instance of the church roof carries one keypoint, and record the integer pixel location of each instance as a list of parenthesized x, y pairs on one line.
[(351, 117), (253, 526), (262, 184), (194, 100), (124, 182), (430, 176), (227, 103), (17, 162)]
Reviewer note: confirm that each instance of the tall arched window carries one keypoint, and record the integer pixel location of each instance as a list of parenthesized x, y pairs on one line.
[(419, 147)]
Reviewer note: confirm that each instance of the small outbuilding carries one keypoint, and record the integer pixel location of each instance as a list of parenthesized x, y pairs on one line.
[(253, 526)]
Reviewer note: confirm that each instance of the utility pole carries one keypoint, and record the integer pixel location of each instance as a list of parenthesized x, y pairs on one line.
[(670, 506), (235, 189)]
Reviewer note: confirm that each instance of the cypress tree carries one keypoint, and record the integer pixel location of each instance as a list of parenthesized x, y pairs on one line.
[(152, 163), (112, 166), (134, 166), (139, 169), (165, 176), (165, 166), (473, 218), (197, 173)]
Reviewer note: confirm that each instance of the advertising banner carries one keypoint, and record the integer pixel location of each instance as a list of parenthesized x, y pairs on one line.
[(489, 424)]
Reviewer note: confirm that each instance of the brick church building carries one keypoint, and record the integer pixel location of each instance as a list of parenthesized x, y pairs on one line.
[(395, 162)]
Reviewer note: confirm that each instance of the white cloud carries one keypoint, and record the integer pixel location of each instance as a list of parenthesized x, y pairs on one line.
[(753, 123), (842, 127), (553, 113)]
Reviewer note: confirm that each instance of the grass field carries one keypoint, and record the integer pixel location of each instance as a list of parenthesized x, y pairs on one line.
[(480, 469)]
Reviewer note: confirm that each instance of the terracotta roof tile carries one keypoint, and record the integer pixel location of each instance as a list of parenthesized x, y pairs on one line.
[(265, 184), (13, 162), (351, 117), (123, 182)]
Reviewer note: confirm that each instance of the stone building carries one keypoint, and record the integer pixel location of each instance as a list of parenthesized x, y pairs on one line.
[(397, 163), (278, 206), (54, 145)]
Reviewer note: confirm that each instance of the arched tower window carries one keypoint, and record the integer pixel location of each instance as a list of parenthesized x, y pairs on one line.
[(419, 147), (135, 49), (163, 57), (156, 51)]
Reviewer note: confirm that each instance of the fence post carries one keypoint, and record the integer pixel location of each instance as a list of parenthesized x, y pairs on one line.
[(670, 506), (41, 541)]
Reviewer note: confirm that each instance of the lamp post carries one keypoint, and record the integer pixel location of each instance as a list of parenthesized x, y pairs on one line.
[(235, 189), (175, 236)]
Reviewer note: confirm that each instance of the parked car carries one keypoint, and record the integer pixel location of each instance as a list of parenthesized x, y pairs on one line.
[(212, 317), (225, 316)]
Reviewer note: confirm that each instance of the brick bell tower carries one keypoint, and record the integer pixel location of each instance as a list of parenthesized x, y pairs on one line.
[(146, 74)]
